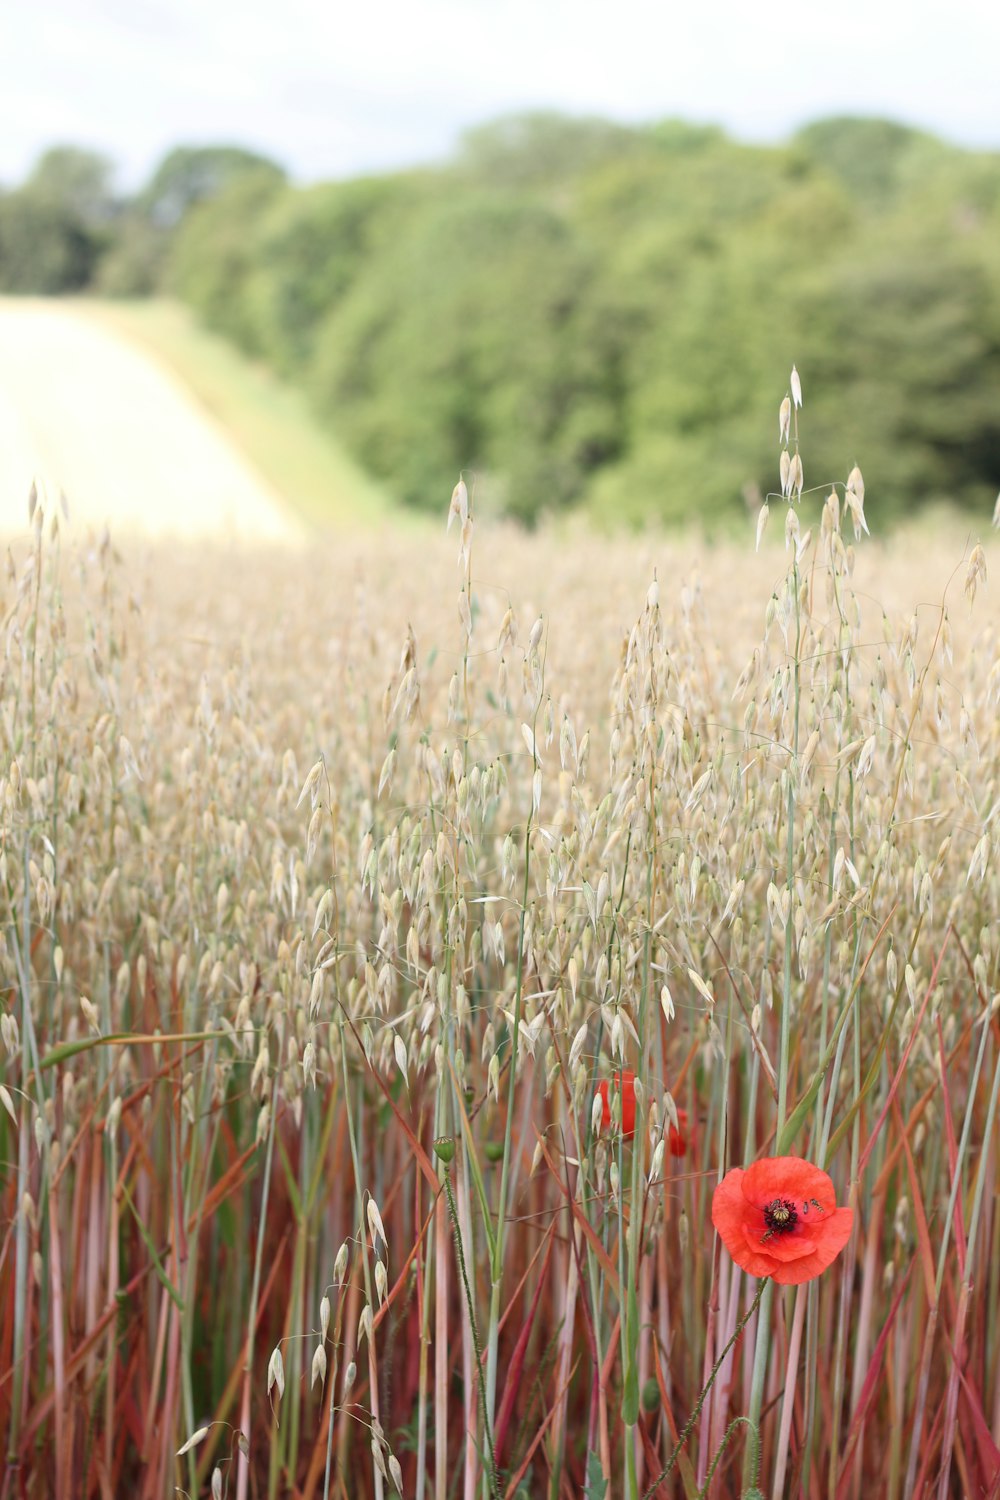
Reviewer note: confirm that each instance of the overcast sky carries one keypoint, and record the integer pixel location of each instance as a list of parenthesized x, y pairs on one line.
[(333, 88)]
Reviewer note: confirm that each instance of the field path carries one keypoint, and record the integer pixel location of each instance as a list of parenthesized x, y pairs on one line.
[(86, 411)]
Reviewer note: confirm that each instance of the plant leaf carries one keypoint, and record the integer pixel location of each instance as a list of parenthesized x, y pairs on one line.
[(597, 1485)]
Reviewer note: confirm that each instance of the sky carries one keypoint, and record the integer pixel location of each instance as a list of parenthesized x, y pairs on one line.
[(334, 89)]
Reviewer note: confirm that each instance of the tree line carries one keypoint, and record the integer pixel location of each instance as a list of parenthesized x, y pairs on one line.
[(584, 314)]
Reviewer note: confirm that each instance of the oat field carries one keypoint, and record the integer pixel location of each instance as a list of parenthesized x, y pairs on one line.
[(401, 942)]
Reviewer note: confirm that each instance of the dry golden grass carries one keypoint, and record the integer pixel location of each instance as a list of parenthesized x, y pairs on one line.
[(299, 846)]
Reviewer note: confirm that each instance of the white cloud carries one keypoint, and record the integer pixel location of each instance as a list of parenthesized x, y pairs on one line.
[(337, 88)]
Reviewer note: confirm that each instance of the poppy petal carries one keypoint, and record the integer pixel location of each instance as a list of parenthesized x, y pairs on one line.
[(780, 1247), (798, 1271), (627, 1121), (756, 1265), (729, 1208), (677, 1135), (787, 1177)]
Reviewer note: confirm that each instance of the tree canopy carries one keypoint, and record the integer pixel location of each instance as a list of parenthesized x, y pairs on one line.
[(77, 181), (44, 247), (591, 315), (194, 174)]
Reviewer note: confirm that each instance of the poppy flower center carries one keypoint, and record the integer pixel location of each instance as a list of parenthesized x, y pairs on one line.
[(780, 1216)]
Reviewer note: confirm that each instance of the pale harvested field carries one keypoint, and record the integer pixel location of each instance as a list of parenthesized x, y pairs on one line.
[(88, 413)]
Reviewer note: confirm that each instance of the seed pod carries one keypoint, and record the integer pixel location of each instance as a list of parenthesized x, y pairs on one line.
[(396, 1472), (340, 1265), (375, 1223), (276, 1373), (762, 519)]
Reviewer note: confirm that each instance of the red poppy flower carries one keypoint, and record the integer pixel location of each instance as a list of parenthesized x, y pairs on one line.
[(676, 1135), (780, 1218), (627, 1101)]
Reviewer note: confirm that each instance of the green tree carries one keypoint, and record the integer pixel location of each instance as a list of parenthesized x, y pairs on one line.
[(133, 262), (189, 175), (540, 149), (213, 263), (902, 341), (44, 247), (877, 160), (77, 181), (311, 247), (590, 314), (475, 342)]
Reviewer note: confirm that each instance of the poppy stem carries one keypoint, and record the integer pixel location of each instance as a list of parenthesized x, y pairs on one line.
[(754, 1449), (692, 1419)]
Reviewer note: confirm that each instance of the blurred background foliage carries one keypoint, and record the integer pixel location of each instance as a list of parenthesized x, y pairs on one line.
[(585, 314)]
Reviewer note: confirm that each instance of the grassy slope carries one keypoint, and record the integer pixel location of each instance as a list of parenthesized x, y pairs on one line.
[(267, 420)]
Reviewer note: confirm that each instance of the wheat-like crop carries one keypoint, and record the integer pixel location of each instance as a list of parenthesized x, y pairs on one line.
[(335, 884)]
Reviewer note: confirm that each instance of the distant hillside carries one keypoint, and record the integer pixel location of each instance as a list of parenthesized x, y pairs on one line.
[(596, 316)]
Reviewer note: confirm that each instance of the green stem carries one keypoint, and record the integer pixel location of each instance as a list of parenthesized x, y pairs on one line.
[(764, 1323), (244, 1471), (786, 994), (496, 1267), (363, 1237), (487, 1424), (752, 1456), (754, 1450)]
